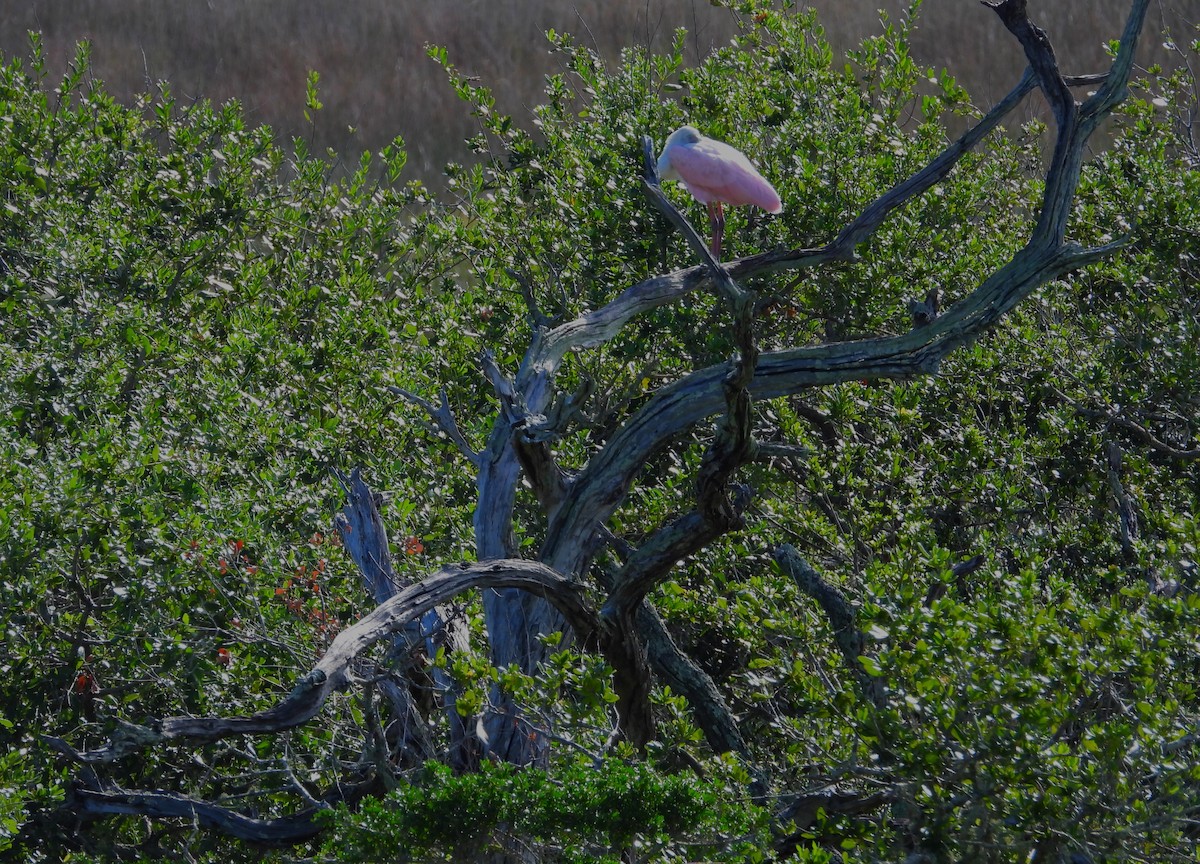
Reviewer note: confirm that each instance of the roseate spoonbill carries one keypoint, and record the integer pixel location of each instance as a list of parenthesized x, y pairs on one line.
[(715, 174)]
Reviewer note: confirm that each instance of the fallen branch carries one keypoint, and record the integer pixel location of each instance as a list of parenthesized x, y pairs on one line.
[(284, 831)]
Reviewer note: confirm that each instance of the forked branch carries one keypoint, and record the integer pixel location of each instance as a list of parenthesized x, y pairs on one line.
[(677, 408)]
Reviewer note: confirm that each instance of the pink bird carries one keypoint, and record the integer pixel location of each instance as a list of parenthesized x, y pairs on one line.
[(715, 173)]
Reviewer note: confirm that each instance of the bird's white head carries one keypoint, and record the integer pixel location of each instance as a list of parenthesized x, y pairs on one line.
[(681, 137)]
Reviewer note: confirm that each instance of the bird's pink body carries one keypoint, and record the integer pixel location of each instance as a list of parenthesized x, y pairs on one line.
[(714, 172)]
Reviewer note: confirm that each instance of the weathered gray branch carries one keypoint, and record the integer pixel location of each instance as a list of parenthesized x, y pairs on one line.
[(650, 562), (166, 805), (1067, 157), (1137, 431), (678, 407), (332, 672), (285, 830), (644, 569), (678, 670), (442, 419), (1116, 83), (532, 452), (365, 538), (1125, 507), (515, 619), (842, 619), (712, 714), (536, 318)]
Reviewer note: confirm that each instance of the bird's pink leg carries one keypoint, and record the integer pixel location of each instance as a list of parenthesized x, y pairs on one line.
[(716, 220)]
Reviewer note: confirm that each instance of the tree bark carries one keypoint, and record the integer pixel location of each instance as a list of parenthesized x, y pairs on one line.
[(365, 538)]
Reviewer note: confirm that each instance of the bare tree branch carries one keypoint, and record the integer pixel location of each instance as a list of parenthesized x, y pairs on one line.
[(1125, 507), (286, 830), (631, 679), (842, 618), (678, 670), (1139, 432), (1116, 84), (651, 561), (442, 419), (514, 618), (645, 569), (1067, 157), (365, 538), (332, 672), (1039, 52)]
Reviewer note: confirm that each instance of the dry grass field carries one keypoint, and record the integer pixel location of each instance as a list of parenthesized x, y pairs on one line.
[(377, 80)]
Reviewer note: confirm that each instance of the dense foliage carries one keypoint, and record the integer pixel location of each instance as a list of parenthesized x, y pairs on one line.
[(620, 806), (199, 326)]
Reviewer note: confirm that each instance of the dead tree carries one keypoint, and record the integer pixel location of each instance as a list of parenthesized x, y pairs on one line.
[(524, 598)]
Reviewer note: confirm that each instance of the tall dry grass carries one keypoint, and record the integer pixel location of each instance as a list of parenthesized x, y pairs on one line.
[(377, 80)]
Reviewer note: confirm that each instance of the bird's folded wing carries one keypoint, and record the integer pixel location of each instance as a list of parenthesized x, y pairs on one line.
[(714, 171)]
